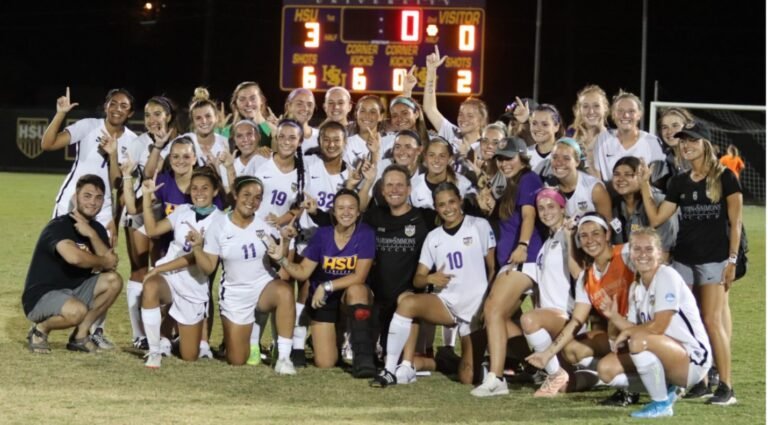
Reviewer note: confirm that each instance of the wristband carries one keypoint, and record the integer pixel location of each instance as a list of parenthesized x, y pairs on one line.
[(328, 287), (733, 259), (523, 243)]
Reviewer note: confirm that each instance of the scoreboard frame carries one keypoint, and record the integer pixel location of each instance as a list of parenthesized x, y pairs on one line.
[(302, 66)]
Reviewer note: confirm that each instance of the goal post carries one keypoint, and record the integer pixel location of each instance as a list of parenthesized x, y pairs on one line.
[(740, 125)]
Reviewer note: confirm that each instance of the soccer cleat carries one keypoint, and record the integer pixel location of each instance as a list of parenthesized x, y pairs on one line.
[(621, 398), (405, 374), (254, 359), (553, 385), (491, 386), (285, 367), (539, 377), (385, 378), (655, 409), (724, 396), (299, 358), (700, 390), (101, 341), (153, 360), (205, 352), (141, 343), (165, 347)]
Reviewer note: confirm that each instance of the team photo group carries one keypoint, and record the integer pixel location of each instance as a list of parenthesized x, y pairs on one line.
[(349, 231)]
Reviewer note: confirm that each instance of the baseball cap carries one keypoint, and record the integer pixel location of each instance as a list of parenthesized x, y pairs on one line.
[(514, 146), (695, 130)]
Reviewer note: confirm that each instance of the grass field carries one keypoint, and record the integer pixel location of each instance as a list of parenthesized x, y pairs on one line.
[(115, 388)]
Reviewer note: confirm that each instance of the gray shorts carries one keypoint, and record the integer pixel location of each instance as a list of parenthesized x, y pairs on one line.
[(51, 303), (701, 274)]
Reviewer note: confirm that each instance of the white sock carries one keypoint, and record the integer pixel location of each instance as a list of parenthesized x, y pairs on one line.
[(586, 362), (151, 318), (255, 333), (284, 348), (204, 346), (133, 296), (399, 330), (299, 332), (540, 341), (619, 381), (651, 372), (449, 335)]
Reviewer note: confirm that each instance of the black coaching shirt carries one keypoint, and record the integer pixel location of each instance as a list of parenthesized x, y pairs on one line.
[(48, 270), (398, 245), (703, 235)]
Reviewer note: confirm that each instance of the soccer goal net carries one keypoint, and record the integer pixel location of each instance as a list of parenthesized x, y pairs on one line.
[(740, 125)]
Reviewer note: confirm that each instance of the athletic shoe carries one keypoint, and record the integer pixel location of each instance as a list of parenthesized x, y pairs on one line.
[(554, 384), (724, 396), (205, 352), (583, 379), (655, 409), (254, 359), (299, 358), (700, 390), (83, 345), (713, 376), (165, 347), (153, 360), (385, 378), (405, 374), (346, 349), (539, 377), (101, 341), (672, 391), (285, 367), (491, 386), (621, 398), (141, 343)]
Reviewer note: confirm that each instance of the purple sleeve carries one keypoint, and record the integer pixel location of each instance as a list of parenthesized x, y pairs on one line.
[(314, 248), (530, 184), (367, 242)]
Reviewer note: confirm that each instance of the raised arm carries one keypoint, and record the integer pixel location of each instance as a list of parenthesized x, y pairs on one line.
[(53, 139), (434, 60), (153, 227)]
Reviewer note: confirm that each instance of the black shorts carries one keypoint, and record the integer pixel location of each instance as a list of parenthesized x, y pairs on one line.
[(329, 313)]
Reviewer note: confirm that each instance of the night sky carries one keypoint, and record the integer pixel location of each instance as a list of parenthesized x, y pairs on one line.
[(704, 51)]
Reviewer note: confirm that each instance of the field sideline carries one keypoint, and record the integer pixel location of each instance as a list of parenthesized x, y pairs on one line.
[(114, 387)]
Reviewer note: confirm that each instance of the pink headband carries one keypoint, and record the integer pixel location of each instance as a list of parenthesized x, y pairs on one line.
[(551, 194)]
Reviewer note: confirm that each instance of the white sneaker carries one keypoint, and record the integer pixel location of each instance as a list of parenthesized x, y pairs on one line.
[(405, 374), (205, 352), (491, 386), (165, 347), (285, 367), (153, 360)]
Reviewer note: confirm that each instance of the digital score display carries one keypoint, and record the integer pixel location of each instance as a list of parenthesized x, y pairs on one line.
[(369, 45)]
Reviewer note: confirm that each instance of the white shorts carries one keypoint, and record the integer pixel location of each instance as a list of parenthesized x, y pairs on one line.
[(697, 372), (190, 304), (528, 269), (466, 314), (238, 303)]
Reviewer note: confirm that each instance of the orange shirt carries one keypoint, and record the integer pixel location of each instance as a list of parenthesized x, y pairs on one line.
[(615, 281), (735, 163)]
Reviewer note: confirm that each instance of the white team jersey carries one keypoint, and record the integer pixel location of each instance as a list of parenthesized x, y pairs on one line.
[(181, 218), (450, 132), (250, 168), (387, 144), (536, 157), (138, 150), (245, 263), (552, 275), (322, 186), (280, 189), (86, 135), (463, 256), (311, 141), (668, 291), (608, 150), (356, 150), (421, 194), (220, 144), (581, 201)]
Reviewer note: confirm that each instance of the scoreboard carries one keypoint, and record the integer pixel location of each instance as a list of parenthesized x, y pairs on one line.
[(370, 45)]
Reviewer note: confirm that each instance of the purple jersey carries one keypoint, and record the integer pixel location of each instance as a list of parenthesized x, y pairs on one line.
[(171, 196), (509, 229), (334, 263)]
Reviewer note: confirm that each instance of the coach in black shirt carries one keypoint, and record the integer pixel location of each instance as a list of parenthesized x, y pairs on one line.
[(71, 279)]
